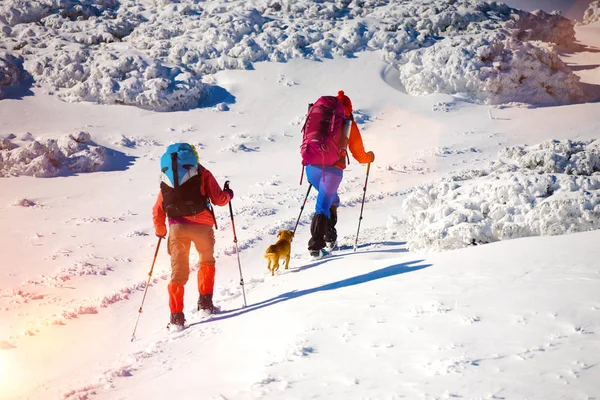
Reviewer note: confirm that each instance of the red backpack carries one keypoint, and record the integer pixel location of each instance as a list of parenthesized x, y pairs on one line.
[(323, 140)]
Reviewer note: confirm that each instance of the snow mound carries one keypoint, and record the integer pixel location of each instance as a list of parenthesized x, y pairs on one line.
[(549, 189), (24, 202), (592, 14), (492, 69), (51, 157), (114, 79), (554, 156), (153, 54), (12, 74)]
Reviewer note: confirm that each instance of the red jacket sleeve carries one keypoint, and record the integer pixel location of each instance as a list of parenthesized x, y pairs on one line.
[(159, 216), (213, 191), (356, 146)]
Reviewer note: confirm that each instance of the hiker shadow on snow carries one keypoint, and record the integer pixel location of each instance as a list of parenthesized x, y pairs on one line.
[(349, 247), (392, 270)]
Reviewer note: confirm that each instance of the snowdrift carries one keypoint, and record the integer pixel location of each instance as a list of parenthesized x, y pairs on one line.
[(153, 54), (50, 157), (549, 189), (592, 14)]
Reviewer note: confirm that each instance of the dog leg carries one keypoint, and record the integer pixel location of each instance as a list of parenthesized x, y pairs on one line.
[(287, 261)]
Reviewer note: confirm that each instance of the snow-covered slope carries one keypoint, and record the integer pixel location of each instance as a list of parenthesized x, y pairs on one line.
[(156, 55), (382, 323), (514, 319)]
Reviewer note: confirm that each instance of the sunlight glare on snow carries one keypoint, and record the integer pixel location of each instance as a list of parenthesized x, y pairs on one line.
[(5, 378)]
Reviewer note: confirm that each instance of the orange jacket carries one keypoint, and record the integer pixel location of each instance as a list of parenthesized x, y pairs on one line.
[(210, 189), (355, 144)]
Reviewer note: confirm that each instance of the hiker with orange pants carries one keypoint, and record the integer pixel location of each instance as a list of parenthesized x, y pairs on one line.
[(187, 190), (329, 131)]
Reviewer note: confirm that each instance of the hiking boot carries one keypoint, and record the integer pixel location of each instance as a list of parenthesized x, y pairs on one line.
[(318, 227), (318, 254), (178, 319), (205, 302), (331, 233), (330, 246), (315, 254)]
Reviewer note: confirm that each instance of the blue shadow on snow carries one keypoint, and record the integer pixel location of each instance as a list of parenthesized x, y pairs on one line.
[(217, 95), (117, 161), (365, 246), (294, 294)]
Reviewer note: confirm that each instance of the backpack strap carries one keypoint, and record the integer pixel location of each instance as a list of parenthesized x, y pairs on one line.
[(306, 119), (175, 169), (209, 205), (202, 191)]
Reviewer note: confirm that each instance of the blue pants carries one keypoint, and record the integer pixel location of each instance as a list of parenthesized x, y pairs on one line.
[(326, 182)]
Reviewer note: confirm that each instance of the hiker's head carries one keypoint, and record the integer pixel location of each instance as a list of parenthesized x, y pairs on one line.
[(346, 102)]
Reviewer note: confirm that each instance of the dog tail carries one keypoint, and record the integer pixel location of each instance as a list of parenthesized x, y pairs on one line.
[(269, 255)]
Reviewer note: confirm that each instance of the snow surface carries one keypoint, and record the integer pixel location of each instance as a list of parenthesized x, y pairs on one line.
[(511, 319), (158, 54)]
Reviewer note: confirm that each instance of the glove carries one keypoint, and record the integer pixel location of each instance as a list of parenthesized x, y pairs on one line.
[(370, 153), (229, 192), (161, 236)]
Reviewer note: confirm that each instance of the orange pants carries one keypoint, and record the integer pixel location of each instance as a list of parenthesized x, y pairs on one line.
[(180, 239)]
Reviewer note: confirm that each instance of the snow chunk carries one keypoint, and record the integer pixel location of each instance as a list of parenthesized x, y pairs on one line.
[(23, 202), (134, 142), (50, 157), (222, 107), (592, 14), (549, 189)]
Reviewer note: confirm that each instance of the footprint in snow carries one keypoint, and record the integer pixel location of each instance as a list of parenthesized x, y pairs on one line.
[(4, 345), (471, 320)]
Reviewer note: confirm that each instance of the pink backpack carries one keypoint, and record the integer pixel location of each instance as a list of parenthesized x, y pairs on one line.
[(323, 140)]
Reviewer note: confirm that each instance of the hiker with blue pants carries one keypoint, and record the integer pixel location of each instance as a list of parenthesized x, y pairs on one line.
[(327, 179)]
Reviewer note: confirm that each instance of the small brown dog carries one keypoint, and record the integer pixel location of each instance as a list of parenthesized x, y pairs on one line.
[(282, 248)]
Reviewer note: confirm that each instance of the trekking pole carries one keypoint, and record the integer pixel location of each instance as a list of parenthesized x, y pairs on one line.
[(302, 208), (237, 250), (146, 290), (362, 205)]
